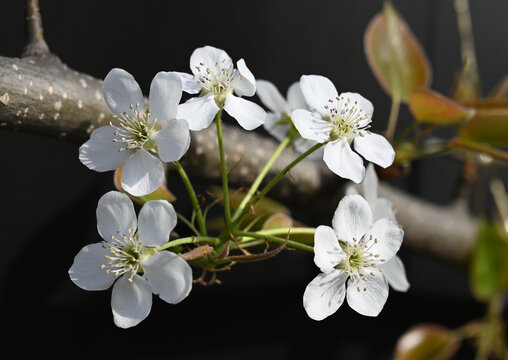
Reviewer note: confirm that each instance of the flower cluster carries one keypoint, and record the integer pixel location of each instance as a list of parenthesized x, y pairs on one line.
[(136, 257)]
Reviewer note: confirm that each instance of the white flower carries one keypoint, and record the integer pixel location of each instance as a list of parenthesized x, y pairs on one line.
[(341, 120), (278, 122), (394, 270), (129, 257), (140, 131), (355, 250), (216, 78)]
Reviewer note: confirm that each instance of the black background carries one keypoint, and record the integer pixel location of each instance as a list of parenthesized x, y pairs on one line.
[(49, 197)]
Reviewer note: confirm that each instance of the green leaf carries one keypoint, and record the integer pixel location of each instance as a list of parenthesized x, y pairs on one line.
[(428, 106), (489, 263), (277, 221), (395, 55), (427, 342)]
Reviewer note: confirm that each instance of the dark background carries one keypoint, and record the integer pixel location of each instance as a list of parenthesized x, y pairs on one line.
[(49, 197)]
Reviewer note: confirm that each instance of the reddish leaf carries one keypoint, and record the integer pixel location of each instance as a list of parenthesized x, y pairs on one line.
[(427, 342)]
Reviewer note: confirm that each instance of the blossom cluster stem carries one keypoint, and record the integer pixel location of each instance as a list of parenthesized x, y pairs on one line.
[(394, 115), (189, 240), (284, 231), (193, 197), (275, 239), (224, 171), (257, 182)]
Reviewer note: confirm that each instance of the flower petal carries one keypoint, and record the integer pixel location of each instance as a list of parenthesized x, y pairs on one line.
[(395, 274), (115, 215), (131, 302), (325, 294), (169, 276), (369, 184), (317, 91), (295, 97), (173, 140), (209, 57), (383, 209), (271, 97), (274, 128), (157, 218), (189, 83), (198, 111), (352, 218), (368, 296), (101, 153), (165, 95), (327, 251), (244, 83), (375, 148), (248, 114), (86, 271), (351, 190), (142, 174), (339, 158), (389, 238), (121, 91), (349, 100), (311, 126)]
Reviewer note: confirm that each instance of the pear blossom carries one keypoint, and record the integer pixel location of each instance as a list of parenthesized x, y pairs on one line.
[(278, 121), (339, 121), (354, 251), (129, 259), (215, 77), (394, 270), (140, 131)]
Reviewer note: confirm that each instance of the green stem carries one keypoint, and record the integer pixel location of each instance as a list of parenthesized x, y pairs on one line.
[(392, 120), (284, 231), (193, 197), (279, 176), (188, 223), (261, 176), (274, 239), (189, 240), (223, 166)]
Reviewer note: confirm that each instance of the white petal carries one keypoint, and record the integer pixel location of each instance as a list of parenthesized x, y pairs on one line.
[(295, 97), (86, 269), (121, 91), (189, 83), (361, 104), (101, 153), (301, 145), (395, 274), (165, 95), (271, 97), (248, 114), (157, 219), (198, 112), (173, 140), (209, 57), (369, 184), (352, 218), (389, 238), (339, 158), (327, 251), (244, 82), (367, 302), (311, 126), (317, 90), (383, 209), (131, 302), (325, 294), (274, 128), (142, 174), (115, 215), (169, 276), (375, 148)]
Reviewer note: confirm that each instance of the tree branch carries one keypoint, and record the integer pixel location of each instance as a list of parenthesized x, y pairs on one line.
[(35, 43)]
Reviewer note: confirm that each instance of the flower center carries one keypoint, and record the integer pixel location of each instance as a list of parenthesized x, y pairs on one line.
[(347, 118), (126, 254), (137, 129), (216, 79)]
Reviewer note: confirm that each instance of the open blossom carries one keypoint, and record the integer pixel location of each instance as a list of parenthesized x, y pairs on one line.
[(394, 270), (355, 251), (278, 121), (129, 260), (139, 132), (341, 120), (216, 79)]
